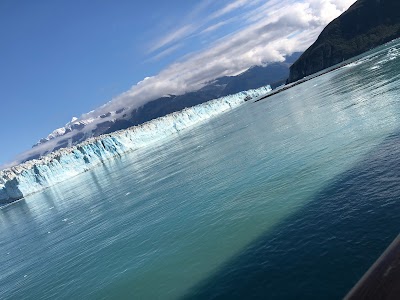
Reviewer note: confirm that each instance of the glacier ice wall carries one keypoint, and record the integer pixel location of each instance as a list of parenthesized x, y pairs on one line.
[(35, 175)]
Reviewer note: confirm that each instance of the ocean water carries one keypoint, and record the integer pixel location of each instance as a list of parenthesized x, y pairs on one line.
[(293, 197)]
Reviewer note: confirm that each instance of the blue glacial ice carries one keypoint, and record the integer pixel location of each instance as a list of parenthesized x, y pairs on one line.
[(35, 175)]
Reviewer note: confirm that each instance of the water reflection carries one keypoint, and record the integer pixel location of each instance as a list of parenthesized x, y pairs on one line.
[(156, 222)]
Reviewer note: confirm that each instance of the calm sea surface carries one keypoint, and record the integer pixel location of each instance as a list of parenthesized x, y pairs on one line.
[(293, 197)]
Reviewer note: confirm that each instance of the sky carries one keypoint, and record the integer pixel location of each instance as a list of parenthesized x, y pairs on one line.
[(66, 58)]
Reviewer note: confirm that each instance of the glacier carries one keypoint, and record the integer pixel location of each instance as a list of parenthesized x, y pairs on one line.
[(35, 175)]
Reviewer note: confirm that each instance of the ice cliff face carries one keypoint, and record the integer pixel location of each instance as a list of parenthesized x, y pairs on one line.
[(35, 175)]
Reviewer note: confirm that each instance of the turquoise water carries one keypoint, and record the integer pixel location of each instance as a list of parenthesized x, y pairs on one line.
[(293, 197)]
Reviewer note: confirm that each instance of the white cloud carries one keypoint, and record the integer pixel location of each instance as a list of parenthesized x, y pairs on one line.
[(266, 35), (214, 27), (182, 30), (196, 21), (173, 37), (166, 52), (265, 39), (231, 7)]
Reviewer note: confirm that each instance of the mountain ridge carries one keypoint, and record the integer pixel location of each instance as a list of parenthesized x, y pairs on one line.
[(273, 74), (365, 25)]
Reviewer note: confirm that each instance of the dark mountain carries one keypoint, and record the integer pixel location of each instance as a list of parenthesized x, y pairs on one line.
[(273, 74), (365, 25)]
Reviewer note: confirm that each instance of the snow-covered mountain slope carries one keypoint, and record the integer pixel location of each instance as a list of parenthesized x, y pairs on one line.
[(107, 120), (74, 124), (35, 175)]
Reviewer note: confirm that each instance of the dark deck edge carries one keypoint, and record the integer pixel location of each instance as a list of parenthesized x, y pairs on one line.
[(382, 280)]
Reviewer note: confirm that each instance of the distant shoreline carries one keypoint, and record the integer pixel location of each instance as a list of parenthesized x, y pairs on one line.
[(323, 72), (305, 79)]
